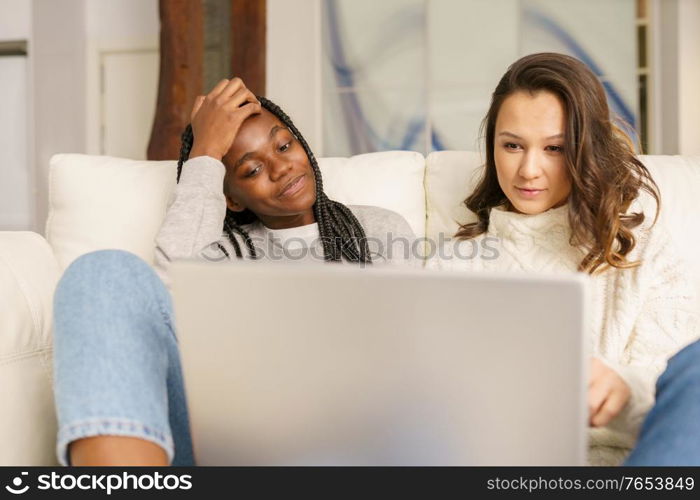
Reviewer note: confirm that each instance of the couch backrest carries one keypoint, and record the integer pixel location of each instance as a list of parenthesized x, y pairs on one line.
[(102, 202), (449, 178), (98, 202), (391, 179), (678, 178)]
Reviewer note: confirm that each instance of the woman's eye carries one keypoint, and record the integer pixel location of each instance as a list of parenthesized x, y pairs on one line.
[(511, 145), (555, 149), (285, 147), (253, 172)]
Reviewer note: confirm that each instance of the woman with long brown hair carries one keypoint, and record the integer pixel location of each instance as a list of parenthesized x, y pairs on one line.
[(562, 191)]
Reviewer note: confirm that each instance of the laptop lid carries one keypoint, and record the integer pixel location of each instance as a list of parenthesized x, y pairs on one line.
[(294, 364)]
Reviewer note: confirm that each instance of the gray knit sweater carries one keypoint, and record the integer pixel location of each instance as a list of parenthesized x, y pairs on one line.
[(193, 227)]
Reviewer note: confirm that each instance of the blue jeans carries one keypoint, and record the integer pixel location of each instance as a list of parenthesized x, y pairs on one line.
[(116, 363), (117, 368), (671, 431)]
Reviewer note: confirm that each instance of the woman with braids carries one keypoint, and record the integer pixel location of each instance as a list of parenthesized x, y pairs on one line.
[(557, 194), (272, 191), (249, 187)]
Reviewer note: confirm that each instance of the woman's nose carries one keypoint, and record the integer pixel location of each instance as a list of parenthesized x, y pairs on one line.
[(279, 170), (529, 168)]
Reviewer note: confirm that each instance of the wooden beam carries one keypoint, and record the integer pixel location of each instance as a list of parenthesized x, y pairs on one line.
[(180, 81), (248, 46)]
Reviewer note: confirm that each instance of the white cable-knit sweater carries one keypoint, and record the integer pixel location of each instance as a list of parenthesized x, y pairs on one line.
[(640, 316)]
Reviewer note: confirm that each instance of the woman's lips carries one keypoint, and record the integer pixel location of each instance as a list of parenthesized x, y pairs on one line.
[(529, 193), (293, 187)]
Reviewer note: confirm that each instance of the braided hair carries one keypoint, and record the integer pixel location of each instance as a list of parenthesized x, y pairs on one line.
[(341, 233)]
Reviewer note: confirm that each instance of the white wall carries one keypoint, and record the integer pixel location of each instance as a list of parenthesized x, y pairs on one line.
[(127, 31), (15, 21), (16, 208), (689, 77), (16, 156), (58, 48), (675, 60), (294, 64), (71, 39), (128, 102), (663, 83), (123, 22)]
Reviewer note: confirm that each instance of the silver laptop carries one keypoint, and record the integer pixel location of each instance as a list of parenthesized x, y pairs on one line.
[(292, 364)]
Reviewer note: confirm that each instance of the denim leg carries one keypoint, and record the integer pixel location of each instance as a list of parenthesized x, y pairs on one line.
[(116, 362), (671, 432)]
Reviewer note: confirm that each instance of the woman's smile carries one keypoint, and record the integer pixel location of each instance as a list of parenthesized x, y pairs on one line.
[(293, 187)]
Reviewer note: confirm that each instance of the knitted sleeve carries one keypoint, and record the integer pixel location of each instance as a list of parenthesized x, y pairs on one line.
[(667, 322), (195, 217)]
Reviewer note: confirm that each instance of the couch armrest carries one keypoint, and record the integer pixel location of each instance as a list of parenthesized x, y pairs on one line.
[(28, 276)]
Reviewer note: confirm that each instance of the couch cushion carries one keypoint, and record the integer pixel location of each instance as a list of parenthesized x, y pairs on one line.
[(449, 178), (28, 276), (678, 178), (98, 202), (391, 179)]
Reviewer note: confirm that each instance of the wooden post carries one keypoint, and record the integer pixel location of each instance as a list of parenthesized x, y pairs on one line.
[(180, 81), (248, 46)]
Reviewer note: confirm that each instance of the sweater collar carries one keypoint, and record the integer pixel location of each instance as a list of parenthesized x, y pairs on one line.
[(553, 223)]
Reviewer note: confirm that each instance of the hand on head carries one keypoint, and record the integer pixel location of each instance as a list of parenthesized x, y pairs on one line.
[(217, 117)]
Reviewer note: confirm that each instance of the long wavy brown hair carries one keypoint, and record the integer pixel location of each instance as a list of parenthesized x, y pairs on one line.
[(605, 174)]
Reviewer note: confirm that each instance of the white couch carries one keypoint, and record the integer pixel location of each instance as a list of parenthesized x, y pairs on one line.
[(102, 202)]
